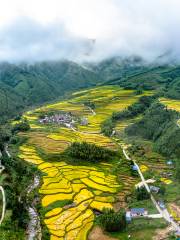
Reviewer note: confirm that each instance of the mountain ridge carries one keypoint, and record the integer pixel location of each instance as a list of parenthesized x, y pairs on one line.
[(23, 85)]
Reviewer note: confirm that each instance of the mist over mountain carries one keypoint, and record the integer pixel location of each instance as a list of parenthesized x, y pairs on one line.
[(23, 85), (49, 48), (85, 30)]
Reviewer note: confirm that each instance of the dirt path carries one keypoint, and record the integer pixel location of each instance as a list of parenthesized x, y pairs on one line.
[(97, 234), (175, 211), (162, 234)]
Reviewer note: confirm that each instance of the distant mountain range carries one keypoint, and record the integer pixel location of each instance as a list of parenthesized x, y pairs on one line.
[(32, 84)]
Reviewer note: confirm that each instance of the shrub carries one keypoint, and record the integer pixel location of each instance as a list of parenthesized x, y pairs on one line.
[(142, 194), (107, 127), (112, 221), (22, 126)]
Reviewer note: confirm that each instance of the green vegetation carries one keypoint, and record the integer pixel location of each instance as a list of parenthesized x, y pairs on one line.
[(133, 110), (112, 221), (5, 134), (90, 152), (90, 104), (81, 168), (22, 126), (20, 89), (9, 230), (107, 127), (141, 193), (159, 125), (177, 173), (18, 172), (141, 229), (27, 85), (165, 79), (15, 180)]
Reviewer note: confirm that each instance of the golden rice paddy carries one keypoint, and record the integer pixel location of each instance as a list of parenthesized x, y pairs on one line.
[(166, 180), (60, 183), (143, 168), (88, 188), (171, 104)]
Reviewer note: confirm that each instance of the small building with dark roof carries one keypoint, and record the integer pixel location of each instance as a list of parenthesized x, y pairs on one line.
[(137, 212), (134, 168), (154, 189)]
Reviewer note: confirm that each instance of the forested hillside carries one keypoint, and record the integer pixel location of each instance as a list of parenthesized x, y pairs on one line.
[(28, 85), (33, 84), (136, 74), (159, 125)]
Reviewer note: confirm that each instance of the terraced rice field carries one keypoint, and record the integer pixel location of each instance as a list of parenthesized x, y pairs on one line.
[(121, 125), (171, 103), (88, 188)]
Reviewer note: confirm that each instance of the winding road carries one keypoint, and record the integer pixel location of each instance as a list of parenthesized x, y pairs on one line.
[(164, 212)]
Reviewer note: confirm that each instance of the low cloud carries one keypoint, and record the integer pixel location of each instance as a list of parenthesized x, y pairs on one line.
[(27, 40), (82, 30)]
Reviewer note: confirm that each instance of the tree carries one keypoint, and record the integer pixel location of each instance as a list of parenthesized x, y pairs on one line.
[(159, 125), (177, 170), (4, 137), (107, 127), (3, 182), (141, 193), (22, 126), (139, 91), (90, 104), (112, 221)]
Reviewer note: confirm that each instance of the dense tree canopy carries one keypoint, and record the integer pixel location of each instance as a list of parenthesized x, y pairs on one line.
[(90, 152), (113, 221)]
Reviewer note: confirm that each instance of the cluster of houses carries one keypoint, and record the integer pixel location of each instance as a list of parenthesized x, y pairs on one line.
[(66, 119), (57, 118)]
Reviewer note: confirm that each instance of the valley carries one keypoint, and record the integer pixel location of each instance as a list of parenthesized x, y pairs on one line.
[(89, 120), (72, 193), (86, 187)]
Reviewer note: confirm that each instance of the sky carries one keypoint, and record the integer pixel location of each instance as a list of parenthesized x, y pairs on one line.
[(88, 30)]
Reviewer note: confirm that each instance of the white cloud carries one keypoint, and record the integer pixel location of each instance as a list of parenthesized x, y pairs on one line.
[(53, 29)]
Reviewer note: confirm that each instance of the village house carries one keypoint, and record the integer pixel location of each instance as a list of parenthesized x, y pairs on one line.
[(134, 213), (167, 174), (128, 217), (154, 189), (138, 212), (84, 121), (134, 168)]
